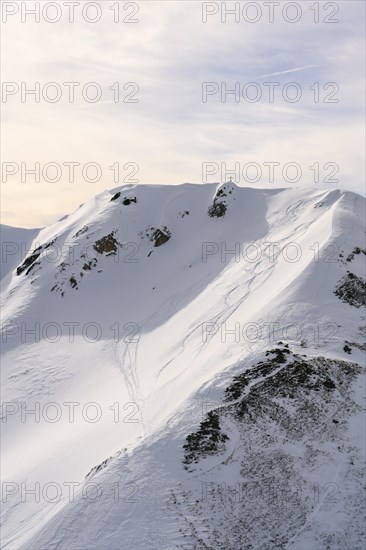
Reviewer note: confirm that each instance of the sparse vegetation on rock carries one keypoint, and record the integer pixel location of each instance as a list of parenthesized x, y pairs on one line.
[(208, 440), (217, 209), (158, 236), (219, 205), (288, 418), (347, 349), (355, 252), (126, 201), (351, 289), (356, 345), (251, 395), (116, 196), (129, 200), (31, 261), (88, 266), (73, 282), (107, 245)]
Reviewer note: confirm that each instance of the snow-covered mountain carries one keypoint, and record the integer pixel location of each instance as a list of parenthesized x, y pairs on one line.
[(194, 359)]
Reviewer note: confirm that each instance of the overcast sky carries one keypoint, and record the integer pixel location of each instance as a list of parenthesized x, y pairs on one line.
[(168, 132)]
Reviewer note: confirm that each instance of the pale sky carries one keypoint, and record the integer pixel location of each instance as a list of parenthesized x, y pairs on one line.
[(170, 132)]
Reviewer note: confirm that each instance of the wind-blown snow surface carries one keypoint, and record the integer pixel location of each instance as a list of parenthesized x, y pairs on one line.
[(131, 299)]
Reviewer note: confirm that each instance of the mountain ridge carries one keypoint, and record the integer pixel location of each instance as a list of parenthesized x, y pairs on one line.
[(155, 297)]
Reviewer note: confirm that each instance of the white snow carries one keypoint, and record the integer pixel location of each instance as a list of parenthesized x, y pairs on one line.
[(162, 317)]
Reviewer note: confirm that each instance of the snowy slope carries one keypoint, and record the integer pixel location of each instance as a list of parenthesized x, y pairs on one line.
[(138, 309)]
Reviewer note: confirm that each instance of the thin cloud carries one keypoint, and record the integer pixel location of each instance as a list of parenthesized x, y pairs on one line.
[(295, 70)]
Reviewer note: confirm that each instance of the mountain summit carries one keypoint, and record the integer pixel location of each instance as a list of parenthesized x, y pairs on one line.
[(183, 367)]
